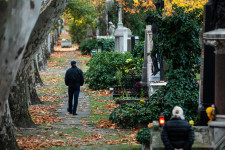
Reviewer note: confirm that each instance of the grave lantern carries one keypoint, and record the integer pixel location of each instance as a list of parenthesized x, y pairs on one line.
[(161, 119)]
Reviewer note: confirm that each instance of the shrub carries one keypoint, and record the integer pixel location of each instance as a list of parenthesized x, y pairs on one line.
[(131, 114), (144, 135), (138, 50), (107, 44), (103, 67), (88, 45), (178, 43)]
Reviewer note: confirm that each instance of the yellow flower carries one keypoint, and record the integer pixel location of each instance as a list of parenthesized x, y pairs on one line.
[(191, 122), (128, 60), (142, 101), (126, 71)]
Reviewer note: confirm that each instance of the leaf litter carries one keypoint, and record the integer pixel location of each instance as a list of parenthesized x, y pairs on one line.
[(100, 134)]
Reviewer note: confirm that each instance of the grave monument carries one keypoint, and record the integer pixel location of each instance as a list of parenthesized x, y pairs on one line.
[(216, 38), (121, 34)]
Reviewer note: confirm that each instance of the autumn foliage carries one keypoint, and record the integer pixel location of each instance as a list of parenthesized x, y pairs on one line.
[(144, 5)]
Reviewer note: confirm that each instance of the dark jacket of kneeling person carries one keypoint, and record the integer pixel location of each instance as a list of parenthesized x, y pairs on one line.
[(177, 133)]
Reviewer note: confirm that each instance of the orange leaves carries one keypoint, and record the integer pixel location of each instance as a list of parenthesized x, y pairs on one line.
[(105, 124), (43, 114), (137, 6), (149, 4), (93, 137), (37, 143), (58, 55), (49, 98)]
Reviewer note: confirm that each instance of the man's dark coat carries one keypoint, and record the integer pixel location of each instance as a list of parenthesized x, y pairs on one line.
[(74, 77)]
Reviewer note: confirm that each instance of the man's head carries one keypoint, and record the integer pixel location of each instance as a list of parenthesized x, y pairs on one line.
[(73, 63), (178, 112)]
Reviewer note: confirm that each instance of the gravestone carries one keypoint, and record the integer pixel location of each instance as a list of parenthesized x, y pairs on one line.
[(121, 34), (216, 38), (208, 78), (89, 32)]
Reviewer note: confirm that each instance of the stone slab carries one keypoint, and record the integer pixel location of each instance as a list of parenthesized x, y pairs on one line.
[(220, 118), (215, 34)]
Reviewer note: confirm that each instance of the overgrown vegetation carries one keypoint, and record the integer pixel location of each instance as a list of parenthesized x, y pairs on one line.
[(144, 136), (88, 45), (103, 67), (138, 50), (93, 44), (179, 44), (132, 114), (106, 44), (80, 15)]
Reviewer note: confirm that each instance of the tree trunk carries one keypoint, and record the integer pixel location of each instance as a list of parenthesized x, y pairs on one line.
[(17, 21), (23, 93), (33, 80), (45, 22), (38, 80), (19, 98), (7, 138)]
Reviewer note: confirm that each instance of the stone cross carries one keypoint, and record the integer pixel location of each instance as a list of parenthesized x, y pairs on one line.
[(120, 23)]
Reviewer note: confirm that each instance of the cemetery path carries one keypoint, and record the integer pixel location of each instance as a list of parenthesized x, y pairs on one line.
[(56, 129)]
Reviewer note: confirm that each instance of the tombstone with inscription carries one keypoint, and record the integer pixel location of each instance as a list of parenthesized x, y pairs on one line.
[(121, 34)]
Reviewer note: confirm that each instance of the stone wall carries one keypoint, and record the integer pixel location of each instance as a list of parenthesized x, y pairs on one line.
[(202, 138)]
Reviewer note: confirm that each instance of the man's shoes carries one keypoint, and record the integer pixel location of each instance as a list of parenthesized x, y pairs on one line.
[(74, 114), (70, 112)]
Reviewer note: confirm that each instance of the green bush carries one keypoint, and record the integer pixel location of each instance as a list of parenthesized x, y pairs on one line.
[(103, 67), (107, 44), (138, 50), (131, 114), (179, 44), (78, 33), (144, 135), (88, 45), (81, 15)]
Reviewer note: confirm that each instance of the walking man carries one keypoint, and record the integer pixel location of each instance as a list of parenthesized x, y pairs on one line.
[(74, 78)]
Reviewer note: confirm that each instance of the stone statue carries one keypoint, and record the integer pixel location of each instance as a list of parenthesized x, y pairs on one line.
[(154, 56), (111, 29), (218, 13)]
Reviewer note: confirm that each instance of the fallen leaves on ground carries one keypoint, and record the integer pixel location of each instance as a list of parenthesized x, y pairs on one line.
[(49, 98), (52, 79), (58, 54), (106, 124), (93, 137), (98, 93), (37, 143), (52, 91), (44, 114)]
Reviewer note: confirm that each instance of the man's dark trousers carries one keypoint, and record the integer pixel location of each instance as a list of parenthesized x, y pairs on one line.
[(73, 92)]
